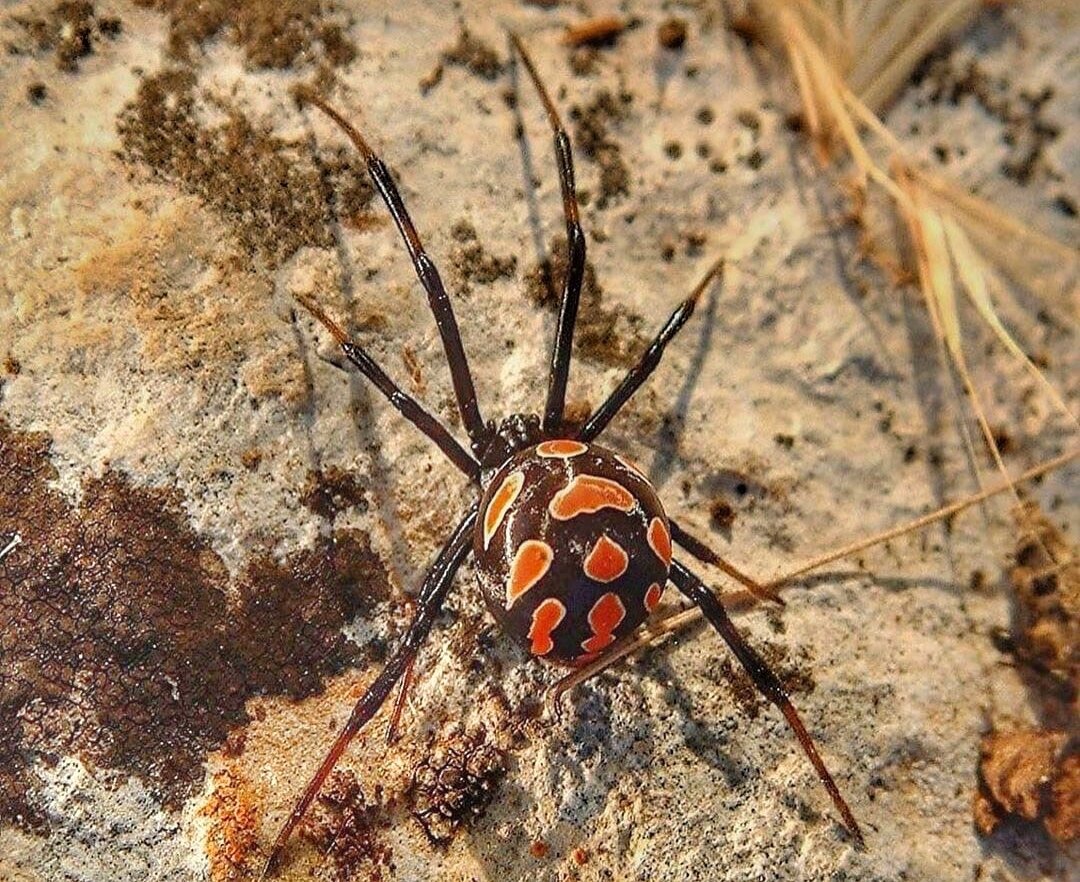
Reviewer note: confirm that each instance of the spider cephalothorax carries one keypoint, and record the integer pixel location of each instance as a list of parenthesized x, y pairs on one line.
[(572, 545)]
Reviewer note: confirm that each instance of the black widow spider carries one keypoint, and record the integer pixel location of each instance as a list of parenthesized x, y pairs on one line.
[(572, 545)]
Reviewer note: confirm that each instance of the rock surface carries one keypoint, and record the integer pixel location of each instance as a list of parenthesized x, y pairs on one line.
[(219, 528)]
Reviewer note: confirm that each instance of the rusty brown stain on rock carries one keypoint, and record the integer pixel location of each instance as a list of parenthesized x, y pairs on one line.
[(233, 813), (123, 639)]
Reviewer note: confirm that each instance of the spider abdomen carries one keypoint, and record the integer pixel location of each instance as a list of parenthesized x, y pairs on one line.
[(572, 549)]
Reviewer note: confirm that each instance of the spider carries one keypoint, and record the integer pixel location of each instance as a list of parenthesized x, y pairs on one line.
[(572, 545)]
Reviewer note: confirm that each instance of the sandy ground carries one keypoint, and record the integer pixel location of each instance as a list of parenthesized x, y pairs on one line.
[(207, 504)]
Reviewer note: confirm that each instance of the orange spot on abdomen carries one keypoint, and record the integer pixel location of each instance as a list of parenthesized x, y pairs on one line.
[(500, 503), (604, 618), (561, 447), (660, 540), (545, 619), (531, 561), (607, 561), (653, 595), (588, 494)]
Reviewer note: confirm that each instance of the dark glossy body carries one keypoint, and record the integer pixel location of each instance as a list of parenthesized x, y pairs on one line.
[(572, 549)]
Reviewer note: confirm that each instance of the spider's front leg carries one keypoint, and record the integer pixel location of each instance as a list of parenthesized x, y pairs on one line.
[(575, 244), (430, 601)]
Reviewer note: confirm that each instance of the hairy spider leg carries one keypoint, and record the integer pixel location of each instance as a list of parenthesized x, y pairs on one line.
[(575, 243), (766, 681), (404, 403), (650, 358), (429, 602), (426, 272)]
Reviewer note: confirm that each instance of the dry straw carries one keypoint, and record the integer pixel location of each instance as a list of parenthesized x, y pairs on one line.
[(849, 60)]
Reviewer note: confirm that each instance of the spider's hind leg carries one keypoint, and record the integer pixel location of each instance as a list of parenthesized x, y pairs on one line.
[(429, 603), (766, 681)]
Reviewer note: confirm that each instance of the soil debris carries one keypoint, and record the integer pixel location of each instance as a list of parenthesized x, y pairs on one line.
[(343, 826), (271, 192), (671, 34), (455, 781), (602, 31), (473, 263), (1029, 775), (474, 55), (272, 34), (332, 490), (124, 641), (591, 137), (70, 30)]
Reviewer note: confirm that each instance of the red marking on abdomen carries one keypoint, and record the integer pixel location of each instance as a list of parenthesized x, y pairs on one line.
[(587, 494), (500, 504), (607, 561), (660, 540), (653, 595), (561, 447), (545, 619), (531, 561), (604, 618)]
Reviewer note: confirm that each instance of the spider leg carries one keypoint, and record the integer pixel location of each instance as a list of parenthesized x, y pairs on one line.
[(405, 404), (429, 603), (640, 372), (705, 554), (426, 272), (575, 244), (766, 681)]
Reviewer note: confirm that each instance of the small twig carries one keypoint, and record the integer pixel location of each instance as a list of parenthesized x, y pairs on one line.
[(15, 542)]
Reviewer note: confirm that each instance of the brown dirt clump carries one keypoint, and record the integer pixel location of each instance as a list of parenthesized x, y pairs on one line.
[(123, 639), (473, 263), (671, 34), (455, 781), (473, 54), (591, 136), (272, 194), (1046, 626), (332, 490), (70, 30), (1032, 774), (1029, 775), (273, 34), (610, 336), (342, 826)]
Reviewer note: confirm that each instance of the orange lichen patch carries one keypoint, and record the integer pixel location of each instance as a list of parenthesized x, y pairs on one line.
[(500, 504), (607, 560), (604, 618), (233, 812), (588, 494), (653, 595), (531, 562), (561, 448), (545, 620), (660, 540)]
